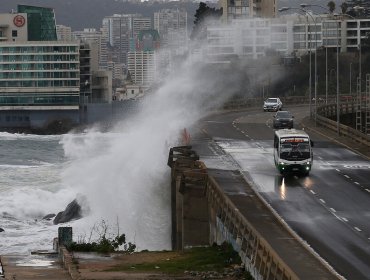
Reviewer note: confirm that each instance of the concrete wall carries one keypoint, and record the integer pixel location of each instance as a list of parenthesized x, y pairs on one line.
[(36, 119)]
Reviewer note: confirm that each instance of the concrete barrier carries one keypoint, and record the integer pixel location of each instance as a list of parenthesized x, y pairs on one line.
[(203, 214)]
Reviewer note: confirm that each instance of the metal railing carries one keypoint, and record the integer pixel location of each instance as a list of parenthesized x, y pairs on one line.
[(327, 111)]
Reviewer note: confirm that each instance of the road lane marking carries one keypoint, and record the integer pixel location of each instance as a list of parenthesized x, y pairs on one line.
[(367, 190), (356, 228), (323, 201), (357, 183), (333, 210), (337, 170), (347, 176), (344, 219), (312, 192)]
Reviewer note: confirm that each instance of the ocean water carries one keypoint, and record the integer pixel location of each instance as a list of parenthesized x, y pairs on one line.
[(40, 175), (120, 177)]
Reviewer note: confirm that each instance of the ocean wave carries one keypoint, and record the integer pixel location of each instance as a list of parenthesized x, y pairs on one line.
[(19, 136)]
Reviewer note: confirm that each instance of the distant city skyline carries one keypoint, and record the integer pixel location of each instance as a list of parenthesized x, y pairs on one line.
[(68, 13)]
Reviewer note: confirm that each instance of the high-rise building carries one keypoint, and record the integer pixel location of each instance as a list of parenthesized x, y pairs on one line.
[(120, 28), (142, 61), (40, 22), (39, 79), (94, 39), (64, 33), (103, 55), (172, 27)]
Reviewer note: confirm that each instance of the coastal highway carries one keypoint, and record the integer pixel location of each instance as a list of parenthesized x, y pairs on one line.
[(329, 209)]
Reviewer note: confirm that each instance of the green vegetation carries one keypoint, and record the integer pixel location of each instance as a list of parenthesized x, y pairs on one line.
[(103, 244), (199, 259)]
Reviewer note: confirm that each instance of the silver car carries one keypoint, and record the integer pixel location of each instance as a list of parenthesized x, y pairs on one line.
[(272, 104)]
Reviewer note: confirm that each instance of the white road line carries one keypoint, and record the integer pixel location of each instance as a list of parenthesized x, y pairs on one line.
[(357, 183), (347, 176), (312, 192), (333, 210), (367, 190), (323, 201), (337, 170), (344, 219), (356, 228)]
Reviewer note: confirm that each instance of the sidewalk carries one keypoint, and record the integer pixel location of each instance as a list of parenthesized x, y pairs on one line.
[(33, 267)]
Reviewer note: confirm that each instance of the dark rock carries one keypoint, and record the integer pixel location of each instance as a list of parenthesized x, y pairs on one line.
[(48, 217), (72, 212), (1, 229)]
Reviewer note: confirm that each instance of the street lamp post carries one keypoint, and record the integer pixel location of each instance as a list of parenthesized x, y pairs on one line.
[(310, 46), (338, 108), (350, 79)]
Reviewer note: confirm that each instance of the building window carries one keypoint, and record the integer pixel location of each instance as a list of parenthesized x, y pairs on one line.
[(14, 33)]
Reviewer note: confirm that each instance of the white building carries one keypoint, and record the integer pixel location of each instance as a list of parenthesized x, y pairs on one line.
[(64, 33), (142, 67), (253, 38)]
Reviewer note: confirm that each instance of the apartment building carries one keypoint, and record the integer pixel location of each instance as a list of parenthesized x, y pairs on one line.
[(253, 38), (142, 60)]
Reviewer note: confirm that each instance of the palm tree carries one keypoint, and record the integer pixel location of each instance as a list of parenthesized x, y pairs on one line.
[(331, 6), (344, 7)]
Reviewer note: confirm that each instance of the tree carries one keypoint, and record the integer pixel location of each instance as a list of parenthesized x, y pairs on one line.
[(201, 14), (331, 6), (344, 7)]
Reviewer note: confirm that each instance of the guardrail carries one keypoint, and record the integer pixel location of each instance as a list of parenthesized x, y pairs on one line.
[(325, 111)]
